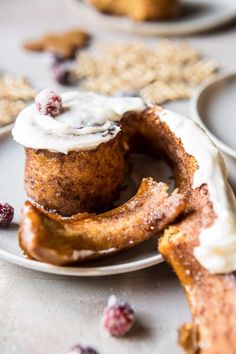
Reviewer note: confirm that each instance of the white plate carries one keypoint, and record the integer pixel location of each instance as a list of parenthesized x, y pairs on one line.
[(12, 191), (213, 106), (197, 16)]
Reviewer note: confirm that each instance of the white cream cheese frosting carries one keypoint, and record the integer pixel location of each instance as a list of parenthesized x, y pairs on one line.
[(217, 249), (87, 121)]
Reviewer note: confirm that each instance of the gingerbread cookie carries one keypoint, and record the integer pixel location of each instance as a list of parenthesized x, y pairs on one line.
[(64, 44)]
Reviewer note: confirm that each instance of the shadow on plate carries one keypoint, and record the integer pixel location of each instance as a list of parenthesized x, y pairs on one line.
[(147, 248), (195, 10)]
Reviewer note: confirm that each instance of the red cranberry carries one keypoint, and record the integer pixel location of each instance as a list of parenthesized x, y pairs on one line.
[(48, 102), (80, 349), (63, 74), (6, 214), (118, 317)]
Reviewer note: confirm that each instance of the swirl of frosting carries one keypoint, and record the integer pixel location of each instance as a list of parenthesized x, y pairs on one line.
[(217, 243), (87, 121)]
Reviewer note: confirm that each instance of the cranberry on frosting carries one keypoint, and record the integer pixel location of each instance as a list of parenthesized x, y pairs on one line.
[(49, 102)]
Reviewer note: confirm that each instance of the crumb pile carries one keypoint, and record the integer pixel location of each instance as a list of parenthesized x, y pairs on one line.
[(15, 93), (167, 71)]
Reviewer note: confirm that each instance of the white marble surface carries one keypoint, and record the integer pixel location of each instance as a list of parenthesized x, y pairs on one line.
[(42, 313)]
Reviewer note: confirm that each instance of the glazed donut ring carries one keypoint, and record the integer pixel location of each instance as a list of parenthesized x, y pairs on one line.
[(206, 204)]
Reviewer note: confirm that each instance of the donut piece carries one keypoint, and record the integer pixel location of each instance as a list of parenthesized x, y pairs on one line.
[(74, 154), (211, 296), (48, 238)]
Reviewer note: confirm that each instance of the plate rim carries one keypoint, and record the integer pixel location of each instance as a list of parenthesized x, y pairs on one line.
[(81, 271), (6, 129), (196, 116), (160, 28)]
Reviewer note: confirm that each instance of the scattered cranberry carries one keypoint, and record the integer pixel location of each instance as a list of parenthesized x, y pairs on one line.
[(118, 317), (6, 214), (48, 102), (63, 74), (79, 349)]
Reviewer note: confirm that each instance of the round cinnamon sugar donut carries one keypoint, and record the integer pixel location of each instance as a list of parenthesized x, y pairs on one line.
[(140, 10)]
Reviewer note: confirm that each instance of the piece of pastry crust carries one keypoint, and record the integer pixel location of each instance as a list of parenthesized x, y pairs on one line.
[(48, 237)]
